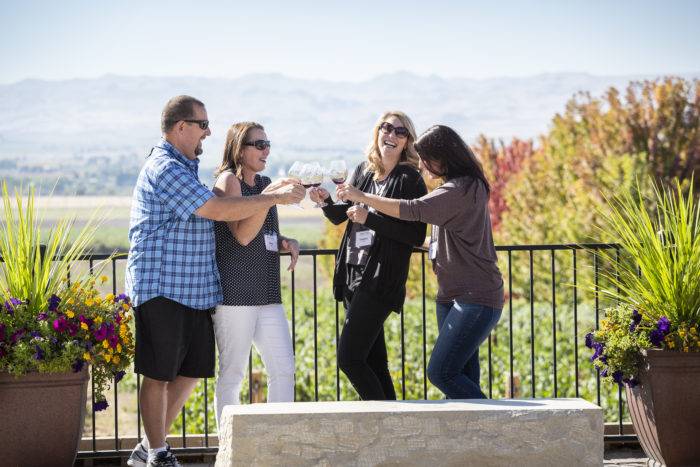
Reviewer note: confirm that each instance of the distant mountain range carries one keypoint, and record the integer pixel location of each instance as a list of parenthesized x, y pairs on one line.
[(118, 115)]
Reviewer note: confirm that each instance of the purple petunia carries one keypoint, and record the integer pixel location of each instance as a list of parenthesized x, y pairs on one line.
[(39, 354), (656, 337), (42, 316), (589, 340), (663, 325), (78, 365), (53, 302), (122, 297), (598, 350), (60, 324), (72, 329), (604, 373), (617, 376), (17, 335), (101, 332), (35, 334), (636, 319), (11, 304), (100, 405), (119, 375), (113, 341)]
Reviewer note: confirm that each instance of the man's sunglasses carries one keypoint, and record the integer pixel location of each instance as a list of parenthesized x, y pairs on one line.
[(260, 144), (203, 124), (399, 131)]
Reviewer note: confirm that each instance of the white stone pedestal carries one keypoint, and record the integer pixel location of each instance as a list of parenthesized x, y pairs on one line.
[(528, 432)]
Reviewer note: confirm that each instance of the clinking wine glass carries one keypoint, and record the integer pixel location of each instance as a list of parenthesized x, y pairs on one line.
[(296, 171), (313, 177), (338, 173)]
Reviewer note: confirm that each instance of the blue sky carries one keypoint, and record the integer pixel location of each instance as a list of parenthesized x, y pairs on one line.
[(346, 41)]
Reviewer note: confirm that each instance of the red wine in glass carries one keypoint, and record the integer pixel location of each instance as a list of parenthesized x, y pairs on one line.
[(338, 181)]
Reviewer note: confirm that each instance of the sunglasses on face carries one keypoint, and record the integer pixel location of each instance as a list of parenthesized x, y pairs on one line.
[(260, 144), (203, 124), (399, 131)]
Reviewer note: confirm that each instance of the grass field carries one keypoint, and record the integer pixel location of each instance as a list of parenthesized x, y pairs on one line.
[(305, 225)]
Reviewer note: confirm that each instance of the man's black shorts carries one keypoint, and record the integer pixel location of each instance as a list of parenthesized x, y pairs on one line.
[(173, 339)]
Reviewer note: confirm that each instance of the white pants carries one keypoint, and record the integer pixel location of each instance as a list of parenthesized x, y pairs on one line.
[(236, 328)]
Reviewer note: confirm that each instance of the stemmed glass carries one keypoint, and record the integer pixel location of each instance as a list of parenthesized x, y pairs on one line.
[(312, 176), (296, 171), (338, 173)]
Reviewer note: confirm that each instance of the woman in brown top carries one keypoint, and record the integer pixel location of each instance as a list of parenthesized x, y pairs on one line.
[(470, 285)]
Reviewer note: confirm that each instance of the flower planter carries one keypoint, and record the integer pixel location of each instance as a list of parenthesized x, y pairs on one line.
[(665, 407), (43, 415)]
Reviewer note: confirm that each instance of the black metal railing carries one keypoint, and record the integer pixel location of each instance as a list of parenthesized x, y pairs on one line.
[(526, 279)]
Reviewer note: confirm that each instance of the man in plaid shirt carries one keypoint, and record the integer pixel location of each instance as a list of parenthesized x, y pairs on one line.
[(171, 273)]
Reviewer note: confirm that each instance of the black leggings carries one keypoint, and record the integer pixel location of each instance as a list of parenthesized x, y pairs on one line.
[(362, 350)]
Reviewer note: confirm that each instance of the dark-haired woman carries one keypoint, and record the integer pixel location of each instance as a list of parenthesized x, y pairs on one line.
[(470, 285), (248, 256), (373, 259)]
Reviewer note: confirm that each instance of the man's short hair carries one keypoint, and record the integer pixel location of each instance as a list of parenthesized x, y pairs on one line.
[(178, 108)]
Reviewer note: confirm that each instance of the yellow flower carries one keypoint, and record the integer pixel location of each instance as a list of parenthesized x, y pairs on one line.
[(98, 320), (681, 332), (89, 302), (122, 330), (126, 340), (125, 306), (693, 330), (109, 297), (115, 359), (119, 348), (84, 325), (105, 344), (107, 357), (87, 357), (685, 349), (670, 344), (103, 279), (70, 314)]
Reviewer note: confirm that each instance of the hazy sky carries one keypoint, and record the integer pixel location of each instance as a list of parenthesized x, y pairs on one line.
[(346, 41)]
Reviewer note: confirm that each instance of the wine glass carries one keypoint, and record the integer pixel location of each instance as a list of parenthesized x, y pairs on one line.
[(295, 171), (313, 177), (338, 173)]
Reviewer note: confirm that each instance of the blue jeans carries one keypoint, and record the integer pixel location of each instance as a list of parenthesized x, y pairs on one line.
[(454, 363)]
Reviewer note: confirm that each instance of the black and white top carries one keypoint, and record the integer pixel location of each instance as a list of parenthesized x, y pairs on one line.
[(250, 275), (361, 238)]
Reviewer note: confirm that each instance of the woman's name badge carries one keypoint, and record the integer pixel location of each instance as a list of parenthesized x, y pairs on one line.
[(364, 238), (271, 242), (432, 251)]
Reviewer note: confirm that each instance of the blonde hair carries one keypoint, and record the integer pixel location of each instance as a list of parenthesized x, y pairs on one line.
[(236, 137), (409, 155)]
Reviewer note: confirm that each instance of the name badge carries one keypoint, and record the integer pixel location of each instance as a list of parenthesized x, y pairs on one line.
[(271, 242), (432, 251), (364, 238)]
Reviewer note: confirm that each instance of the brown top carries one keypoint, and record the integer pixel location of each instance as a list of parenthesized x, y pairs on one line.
[(464, 259)]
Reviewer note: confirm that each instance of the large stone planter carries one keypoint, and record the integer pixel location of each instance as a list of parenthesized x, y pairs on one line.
[(42, 418), (665, 408)]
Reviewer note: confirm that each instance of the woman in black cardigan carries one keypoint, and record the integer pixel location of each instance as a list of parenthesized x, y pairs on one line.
[(374, 254)]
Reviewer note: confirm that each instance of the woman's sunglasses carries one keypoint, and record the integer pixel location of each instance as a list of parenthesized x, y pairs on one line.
[(203, 124), (399, 131), (260, 144)]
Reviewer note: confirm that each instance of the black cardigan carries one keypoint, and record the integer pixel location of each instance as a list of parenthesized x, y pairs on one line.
[(389, 256)]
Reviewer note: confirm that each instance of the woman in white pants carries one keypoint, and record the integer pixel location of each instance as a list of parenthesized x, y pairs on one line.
[(248, 256)]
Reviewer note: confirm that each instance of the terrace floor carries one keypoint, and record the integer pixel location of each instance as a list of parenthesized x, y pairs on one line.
[(614, 456)]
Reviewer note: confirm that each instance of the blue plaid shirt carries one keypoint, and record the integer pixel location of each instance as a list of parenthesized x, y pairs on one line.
[(173, 251)]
